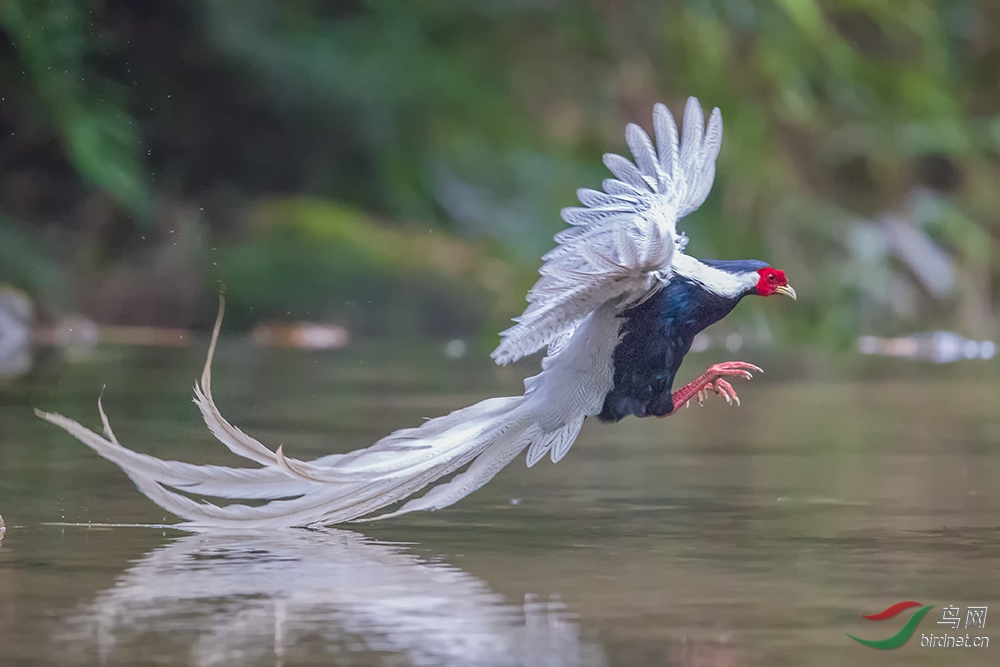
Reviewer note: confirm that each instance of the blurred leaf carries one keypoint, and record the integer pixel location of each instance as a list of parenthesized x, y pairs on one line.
[(51, 40), (807, 16)]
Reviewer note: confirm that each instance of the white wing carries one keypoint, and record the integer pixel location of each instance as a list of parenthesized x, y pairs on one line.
[(623, 239)]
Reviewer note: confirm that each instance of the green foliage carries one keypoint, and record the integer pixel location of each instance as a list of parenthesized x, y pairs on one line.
[(54, 43), (480, 119)]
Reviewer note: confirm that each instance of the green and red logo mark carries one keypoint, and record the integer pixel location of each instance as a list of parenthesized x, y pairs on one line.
[(904, 634)]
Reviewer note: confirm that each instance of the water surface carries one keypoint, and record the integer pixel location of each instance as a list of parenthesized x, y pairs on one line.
[(719, 537)]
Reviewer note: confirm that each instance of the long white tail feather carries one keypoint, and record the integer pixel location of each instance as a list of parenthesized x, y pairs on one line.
[(347, 487), (484, 468), (237, 441)]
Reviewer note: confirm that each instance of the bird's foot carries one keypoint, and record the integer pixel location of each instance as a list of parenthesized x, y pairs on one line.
[(712, 380), (720, 387)]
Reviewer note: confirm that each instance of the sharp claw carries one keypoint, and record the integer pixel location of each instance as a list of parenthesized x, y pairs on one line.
[(740, 365), (737, 399), (726, 391)]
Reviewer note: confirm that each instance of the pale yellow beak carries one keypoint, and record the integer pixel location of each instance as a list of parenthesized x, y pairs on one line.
[(786, 290)]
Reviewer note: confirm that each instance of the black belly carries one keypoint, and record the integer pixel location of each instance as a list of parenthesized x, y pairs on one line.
[(654, 339)]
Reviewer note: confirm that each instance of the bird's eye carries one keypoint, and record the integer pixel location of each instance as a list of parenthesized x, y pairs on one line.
[(770, 277)]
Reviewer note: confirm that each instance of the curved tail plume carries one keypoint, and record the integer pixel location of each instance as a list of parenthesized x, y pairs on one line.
[(332, 489)]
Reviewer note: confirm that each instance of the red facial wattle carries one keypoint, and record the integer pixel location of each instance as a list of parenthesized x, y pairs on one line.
[(773, 281)]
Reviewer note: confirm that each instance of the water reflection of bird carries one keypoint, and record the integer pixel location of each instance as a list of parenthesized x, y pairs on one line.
[(616, 308), (286, 596)]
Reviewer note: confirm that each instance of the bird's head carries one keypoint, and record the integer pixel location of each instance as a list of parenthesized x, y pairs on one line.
[(773, 281), (734, 278)]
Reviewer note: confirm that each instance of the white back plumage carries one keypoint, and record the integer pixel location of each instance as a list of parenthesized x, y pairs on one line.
[(622, 247)]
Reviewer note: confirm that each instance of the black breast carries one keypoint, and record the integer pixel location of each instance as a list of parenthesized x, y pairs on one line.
[(655, 337)]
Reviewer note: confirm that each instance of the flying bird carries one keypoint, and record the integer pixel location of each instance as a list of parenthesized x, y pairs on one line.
[(616, 309)]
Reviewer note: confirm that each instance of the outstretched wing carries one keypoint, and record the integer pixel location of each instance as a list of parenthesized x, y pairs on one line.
[(623, 239)]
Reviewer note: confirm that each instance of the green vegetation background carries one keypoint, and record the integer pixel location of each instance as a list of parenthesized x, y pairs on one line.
[(400, 166)]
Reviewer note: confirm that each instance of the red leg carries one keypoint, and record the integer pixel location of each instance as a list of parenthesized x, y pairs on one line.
[(712, 380)]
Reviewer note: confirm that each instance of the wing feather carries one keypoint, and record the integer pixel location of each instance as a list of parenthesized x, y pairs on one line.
[(616, 187), (589, 216), (597, 199), (626, 172), (703, 177), (622, 240), (643, 152), (692, 137), (666, 139)]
